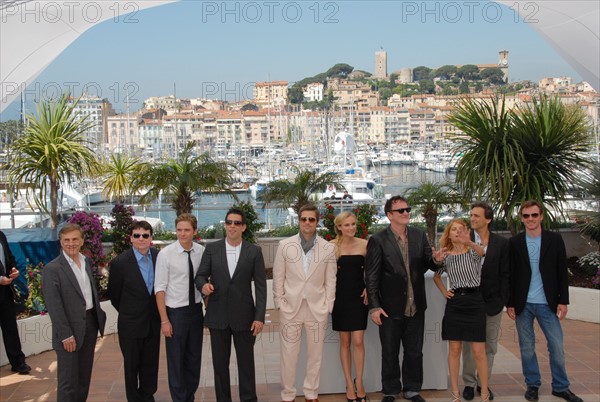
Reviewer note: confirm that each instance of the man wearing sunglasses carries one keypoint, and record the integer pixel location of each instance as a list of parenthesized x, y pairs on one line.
[(539, 290), (131, 291), (397, 259), (304, 276), (226, 273)]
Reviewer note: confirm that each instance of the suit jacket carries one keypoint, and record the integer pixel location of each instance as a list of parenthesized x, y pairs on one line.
[(65, 302), (7, 292), (385, 272), (231, 304), (129, 295), (553, 269), (495, 274), (291, 285)]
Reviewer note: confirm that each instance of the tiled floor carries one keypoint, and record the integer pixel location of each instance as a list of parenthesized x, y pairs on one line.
[(582, 345)]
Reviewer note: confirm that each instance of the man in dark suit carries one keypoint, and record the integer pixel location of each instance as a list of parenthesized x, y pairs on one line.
[(539, 289), (226, 272), (495, 277), (397, 259), (131, 291), (8, 318), (72, 301)]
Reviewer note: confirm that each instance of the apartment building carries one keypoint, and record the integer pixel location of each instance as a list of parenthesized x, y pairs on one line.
[(271, 93)]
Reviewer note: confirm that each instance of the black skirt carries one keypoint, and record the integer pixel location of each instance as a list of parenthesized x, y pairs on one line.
[(464, 318)]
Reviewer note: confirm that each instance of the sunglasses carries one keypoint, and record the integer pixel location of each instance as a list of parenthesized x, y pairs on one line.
[(138, 235), (310, 219), (236, 223), (533, 215), (401, 210)]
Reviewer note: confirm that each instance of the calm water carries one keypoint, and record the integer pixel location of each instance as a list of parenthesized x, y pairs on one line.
[(211, 208)]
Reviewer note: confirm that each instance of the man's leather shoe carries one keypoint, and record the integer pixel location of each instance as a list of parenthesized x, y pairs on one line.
[(388, 398), (469, 393), (490, 393), (532, 394), (23, 368), (567, 396), (416, 398)]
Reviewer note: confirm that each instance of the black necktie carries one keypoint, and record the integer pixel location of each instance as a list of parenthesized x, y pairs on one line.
[(192, 293)]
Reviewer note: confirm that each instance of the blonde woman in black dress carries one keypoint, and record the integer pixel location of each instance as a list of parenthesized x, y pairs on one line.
[(464, 317), (350, 311)]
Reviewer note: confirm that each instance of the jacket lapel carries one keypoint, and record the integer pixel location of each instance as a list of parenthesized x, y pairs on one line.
[(68, 271), (393, 244), (243, 252)]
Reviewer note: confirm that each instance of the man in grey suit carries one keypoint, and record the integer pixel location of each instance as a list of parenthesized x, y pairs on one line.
[(72, 301), (226, 272)]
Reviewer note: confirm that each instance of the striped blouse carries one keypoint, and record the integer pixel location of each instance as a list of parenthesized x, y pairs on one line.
[(464, 270)]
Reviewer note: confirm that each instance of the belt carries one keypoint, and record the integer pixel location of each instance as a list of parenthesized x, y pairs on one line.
[(465, 291)]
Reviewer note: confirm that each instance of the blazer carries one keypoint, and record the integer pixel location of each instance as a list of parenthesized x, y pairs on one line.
[(65, 302), (385, 272), (495, 274), (8, 291), (129, 295), (553, 269), (231, 304), (291, 285)]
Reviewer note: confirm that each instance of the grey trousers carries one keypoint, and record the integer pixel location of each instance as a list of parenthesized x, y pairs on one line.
[(493, 332)]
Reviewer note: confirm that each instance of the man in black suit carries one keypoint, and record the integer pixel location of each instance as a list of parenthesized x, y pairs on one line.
[(539, 289), (226, 272), (397, 259), (131, 291), (495, 277), (8, 318), (72, 301)]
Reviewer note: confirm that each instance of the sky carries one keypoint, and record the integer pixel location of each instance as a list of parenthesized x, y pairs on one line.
[(217, 49)]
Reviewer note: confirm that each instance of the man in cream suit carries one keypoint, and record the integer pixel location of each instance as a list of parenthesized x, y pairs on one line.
[(304, 274), (74, 308)]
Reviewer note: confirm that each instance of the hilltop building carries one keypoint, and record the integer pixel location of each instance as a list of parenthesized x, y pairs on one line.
[(271, 93), (381, 64)]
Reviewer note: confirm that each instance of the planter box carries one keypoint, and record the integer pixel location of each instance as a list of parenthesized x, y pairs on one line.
[(36, 332), (584, 304)]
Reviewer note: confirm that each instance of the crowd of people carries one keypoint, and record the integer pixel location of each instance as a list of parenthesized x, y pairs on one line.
[(351, 279)]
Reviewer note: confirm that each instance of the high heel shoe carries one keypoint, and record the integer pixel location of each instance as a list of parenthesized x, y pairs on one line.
[(348, 399), (359, 398), (485, 397), (455, 396)]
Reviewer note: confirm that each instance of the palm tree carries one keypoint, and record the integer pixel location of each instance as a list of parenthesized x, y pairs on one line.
[(428, 198), (182, 178), (529, 152), (120, 175), (296, 193), (590, 184), (51, 152)]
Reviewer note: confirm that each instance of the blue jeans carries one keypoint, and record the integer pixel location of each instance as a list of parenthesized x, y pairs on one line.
[(550, 325)]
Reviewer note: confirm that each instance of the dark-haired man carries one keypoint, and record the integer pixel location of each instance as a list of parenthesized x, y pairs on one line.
[(539, 289), (397, 259), (131, 291), (226, 273), (495, 277)]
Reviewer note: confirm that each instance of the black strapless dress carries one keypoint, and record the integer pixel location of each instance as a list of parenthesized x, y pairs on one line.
[(349, 311)]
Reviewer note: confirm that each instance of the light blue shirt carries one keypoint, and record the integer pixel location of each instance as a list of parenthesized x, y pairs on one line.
[(536, 286), (146, 268)]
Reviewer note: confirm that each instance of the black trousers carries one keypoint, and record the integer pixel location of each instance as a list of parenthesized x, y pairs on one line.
[(408, 331), (140, 360), (220, 341), (8, 324), (74, 369), (184, 351)]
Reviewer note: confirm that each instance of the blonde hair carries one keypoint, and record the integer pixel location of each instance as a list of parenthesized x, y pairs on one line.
[(341, 217), (445, 240)]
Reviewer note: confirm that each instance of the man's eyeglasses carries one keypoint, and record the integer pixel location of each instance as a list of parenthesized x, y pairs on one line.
[(401, 210), (236, 223), (138, 235), (533, 215), (310, 219)]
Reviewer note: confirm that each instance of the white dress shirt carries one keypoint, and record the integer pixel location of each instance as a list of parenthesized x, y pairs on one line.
[(82, 278), (172, 273)]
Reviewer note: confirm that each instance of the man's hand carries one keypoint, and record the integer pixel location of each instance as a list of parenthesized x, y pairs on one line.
[(256, 327), (511, 312), (166, 328), (207, 289), (5, 281), (376, 316), (69, 344), (561, 311)]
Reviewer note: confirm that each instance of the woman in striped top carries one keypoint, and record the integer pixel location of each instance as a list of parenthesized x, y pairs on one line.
[(464, 317)]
